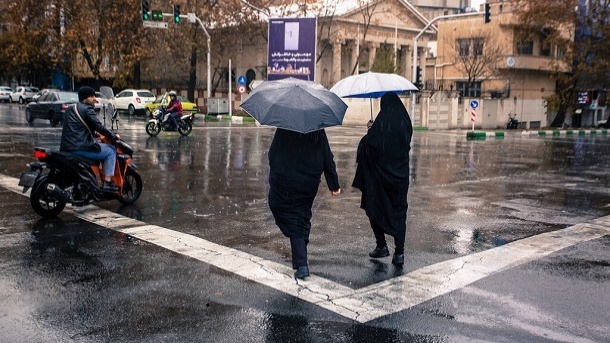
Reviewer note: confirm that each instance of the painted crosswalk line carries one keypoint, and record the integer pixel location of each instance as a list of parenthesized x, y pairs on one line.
[(363, 304)]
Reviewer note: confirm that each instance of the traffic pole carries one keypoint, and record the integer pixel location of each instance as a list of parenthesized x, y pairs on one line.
[(473, 117)]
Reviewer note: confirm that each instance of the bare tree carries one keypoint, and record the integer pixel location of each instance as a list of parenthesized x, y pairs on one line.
[(477, 57), (367, 10)]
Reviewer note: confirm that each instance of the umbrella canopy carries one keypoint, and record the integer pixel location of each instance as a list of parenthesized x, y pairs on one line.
[(371, 85), (296, 105)]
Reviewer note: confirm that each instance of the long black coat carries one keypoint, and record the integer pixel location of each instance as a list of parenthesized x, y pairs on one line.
[(382, 173), (297, 162)]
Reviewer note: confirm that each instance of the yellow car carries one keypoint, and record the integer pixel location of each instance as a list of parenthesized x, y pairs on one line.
[(187, 106)]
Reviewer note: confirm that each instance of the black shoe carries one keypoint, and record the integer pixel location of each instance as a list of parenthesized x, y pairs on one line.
[(398, 259), (302, 272), (109, 186), (380, 252)]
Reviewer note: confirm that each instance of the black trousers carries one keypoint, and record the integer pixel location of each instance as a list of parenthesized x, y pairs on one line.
[(173, 116), (299, 252), (381, 242)]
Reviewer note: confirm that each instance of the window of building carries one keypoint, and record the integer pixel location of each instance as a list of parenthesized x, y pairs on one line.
[(470, 46), (473, 91), (525, 48)]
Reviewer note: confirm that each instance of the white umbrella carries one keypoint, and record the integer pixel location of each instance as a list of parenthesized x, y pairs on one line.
[(372, 85)]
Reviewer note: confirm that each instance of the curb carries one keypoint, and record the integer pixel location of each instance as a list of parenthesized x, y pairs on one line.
[(232, 119), (484, 134), (565, 132)]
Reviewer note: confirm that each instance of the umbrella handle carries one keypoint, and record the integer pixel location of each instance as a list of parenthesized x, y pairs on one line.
[(371, 101)]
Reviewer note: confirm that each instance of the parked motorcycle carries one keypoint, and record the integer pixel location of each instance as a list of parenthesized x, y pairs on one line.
[(59, 178), (160, 121), (513, 122)]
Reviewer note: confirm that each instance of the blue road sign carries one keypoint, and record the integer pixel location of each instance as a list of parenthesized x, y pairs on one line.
[(474, 104), (241, 80)]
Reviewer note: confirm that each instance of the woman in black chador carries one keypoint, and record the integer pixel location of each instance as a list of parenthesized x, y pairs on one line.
[(296, 163), (382, 175)]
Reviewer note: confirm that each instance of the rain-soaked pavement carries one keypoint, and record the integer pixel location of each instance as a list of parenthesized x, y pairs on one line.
[(507, 241)]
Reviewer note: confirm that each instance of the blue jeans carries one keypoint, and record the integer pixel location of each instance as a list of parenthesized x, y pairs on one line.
[(108, 155)]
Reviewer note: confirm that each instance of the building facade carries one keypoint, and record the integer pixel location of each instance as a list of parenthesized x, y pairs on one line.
[(485, 60)]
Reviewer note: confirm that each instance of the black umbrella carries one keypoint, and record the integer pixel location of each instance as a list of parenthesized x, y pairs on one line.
[(296, 105)]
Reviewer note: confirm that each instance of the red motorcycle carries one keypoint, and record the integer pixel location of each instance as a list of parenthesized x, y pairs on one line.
[(59, 178)]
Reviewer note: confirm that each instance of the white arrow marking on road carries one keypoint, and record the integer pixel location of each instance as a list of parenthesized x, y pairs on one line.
[(364, 304)]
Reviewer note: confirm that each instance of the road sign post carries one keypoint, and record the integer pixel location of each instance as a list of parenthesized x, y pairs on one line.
[(474, 104)]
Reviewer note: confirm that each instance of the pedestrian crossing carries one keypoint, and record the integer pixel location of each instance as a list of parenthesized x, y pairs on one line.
[(363, 304)]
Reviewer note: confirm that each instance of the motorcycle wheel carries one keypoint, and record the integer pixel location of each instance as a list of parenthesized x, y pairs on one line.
[(42, 202), (132, 187), (153, 129), (186, 130)]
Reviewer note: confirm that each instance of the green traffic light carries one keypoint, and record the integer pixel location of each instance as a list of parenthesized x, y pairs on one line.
[(176, 19), (157, 15)]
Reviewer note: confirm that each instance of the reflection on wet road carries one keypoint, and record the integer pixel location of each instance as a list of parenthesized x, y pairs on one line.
[(478, 210)]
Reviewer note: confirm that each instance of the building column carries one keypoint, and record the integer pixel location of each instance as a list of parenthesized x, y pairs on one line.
[(405, 61), (336, 65), (354, 57), (372, 51)]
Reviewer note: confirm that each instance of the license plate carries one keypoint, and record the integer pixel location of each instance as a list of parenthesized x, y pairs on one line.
[(28, 179)]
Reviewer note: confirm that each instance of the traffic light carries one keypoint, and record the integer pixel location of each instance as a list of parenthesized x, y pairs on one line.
[(145, 15), (176, 13), (418, 81), (487, 13), (157, 15)]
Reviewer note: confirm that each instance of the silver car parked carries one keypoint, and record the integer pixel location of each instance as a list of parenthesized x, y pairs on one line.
[(5, 92)]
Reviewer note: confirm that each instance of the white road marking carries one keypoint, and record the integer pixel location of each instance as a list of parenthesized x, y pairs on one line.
[(364, 304)]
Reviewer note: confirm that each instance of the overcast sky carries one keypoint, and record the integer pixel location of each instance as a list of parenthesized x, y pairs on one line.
[(477, 3)]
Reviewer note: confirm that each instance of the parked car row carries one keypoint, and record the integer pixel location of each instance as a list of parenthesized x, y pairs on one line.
[(50, 104), (21, 94)]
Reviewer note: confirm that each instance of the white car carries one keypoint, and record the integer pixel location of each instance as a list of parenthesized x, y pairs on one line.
[(23, 94), (133, 100), (5, 92)]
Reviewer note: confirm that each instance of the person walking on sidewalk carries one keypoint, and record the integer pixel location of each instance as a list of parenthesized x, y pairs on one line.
[(382, 175), (297, 162)]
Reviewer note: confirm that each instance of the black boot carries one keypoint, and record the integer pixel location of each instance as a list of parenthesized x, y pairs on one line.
[(379, 252), (398, 259)]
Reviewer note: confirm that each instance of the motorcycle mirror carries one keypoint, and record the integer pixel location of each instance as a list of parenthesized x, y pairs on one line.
[(107, 91), (109, 109)]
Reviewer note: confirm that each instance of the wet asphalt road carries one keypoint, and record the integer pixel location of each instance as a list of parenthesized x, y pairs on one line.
[(68, 279)]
